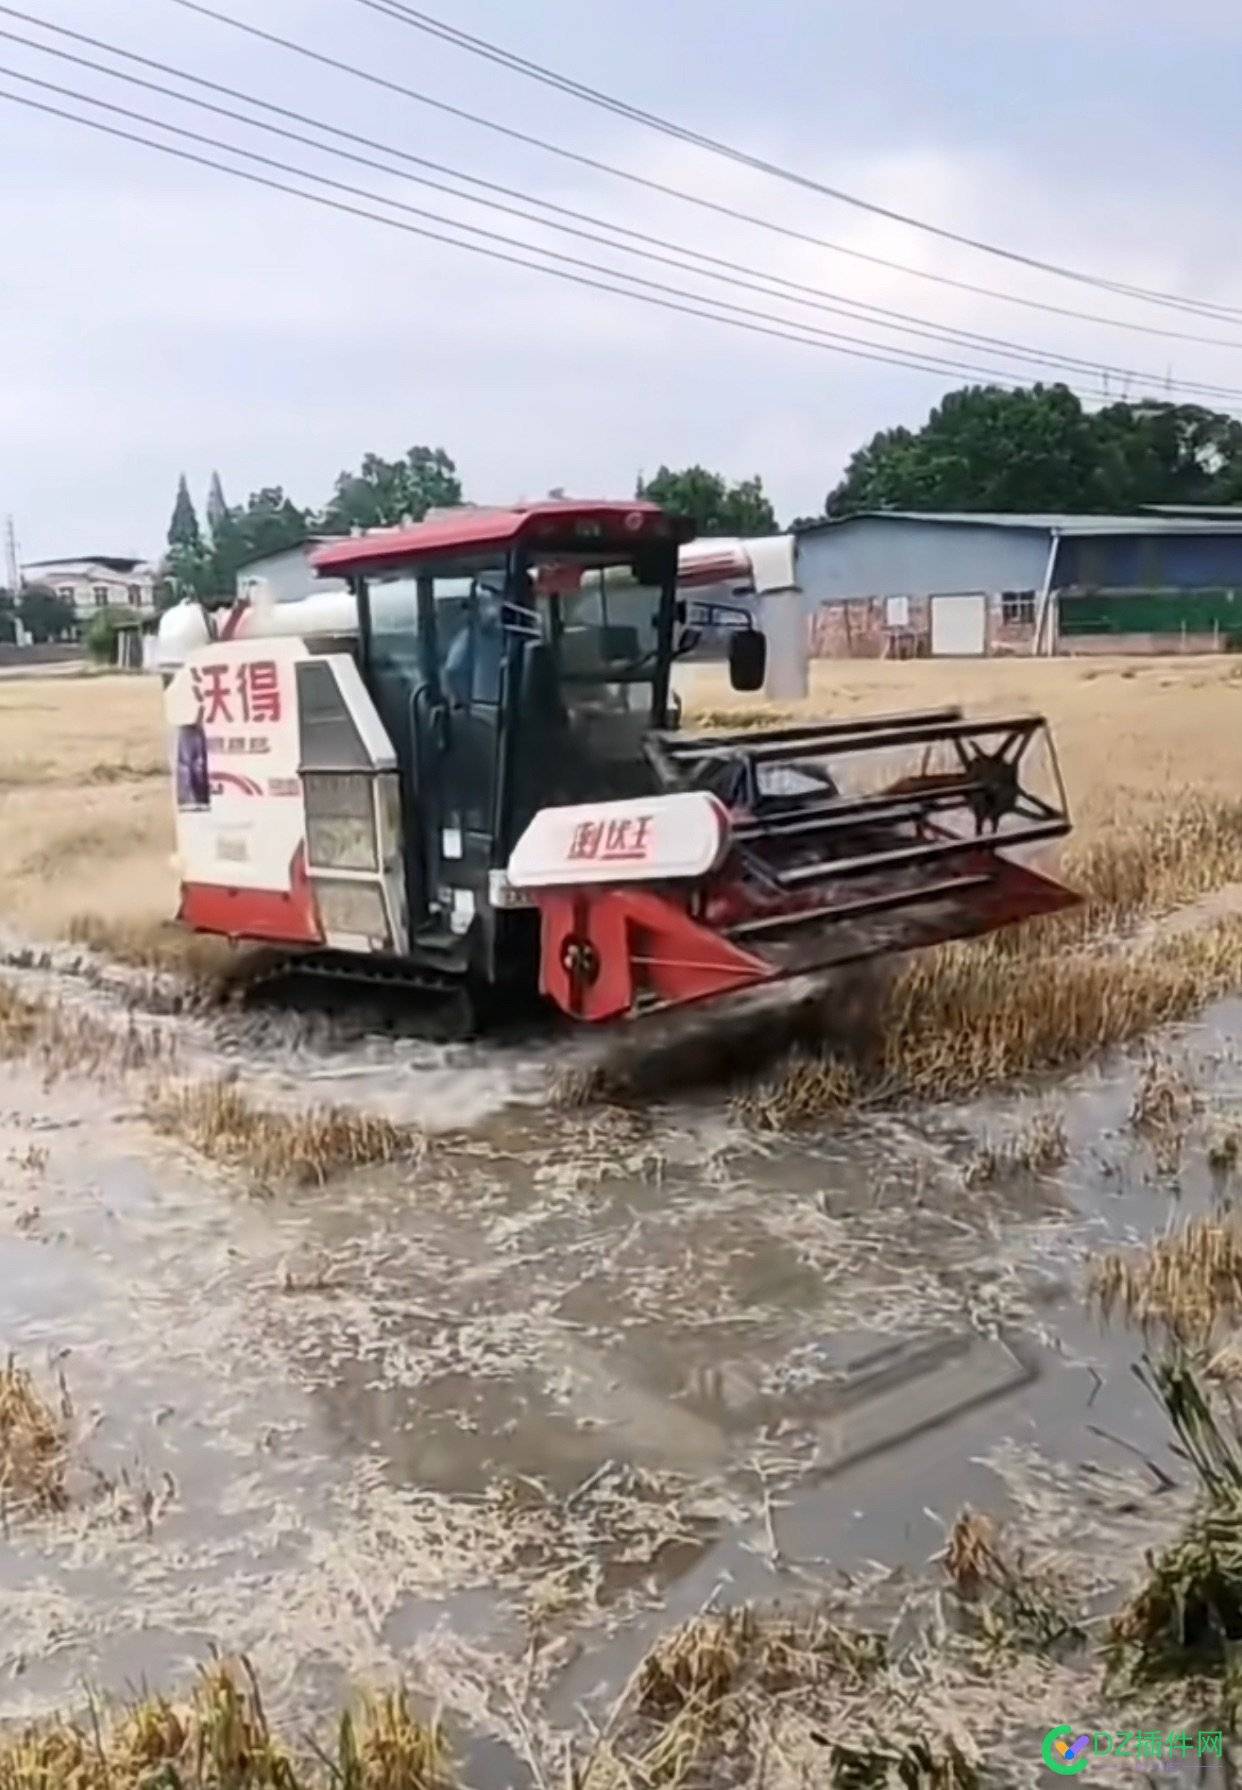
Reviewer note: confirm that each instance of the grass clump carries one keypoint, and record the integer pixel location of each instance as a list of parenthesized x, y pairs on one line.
[(719, 1698), (1038, 1147), (1187, 1615), (303, 1148), (387, 1747), (1014, 1604), (1186, 1283), (221, 1739), (34, 1442)]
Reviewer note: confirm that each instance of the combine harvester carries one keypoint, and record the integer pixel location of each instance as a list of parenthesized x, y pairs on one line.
[(465, 774)]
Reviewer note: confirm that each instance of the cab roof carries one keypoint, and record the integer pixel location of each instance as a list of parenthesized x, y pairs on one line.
[(560, 522)]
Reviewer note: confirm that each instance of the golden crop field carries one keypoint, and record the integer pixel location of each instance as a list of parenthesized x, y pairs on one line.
[(1128, 731), (86, 833)]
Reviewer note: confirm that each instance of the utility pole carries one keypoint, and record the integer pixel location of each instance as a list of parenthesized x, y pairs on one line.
[(13, 574)]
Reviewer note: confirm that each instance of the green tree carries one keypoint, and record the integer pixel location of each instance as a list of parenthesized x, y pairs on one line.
[(988, 448), (268, 523), (183, 530), (8, 618), (1169, 453), (190, 572), (217, 508), (45, 615), (386, 491), (714, 507), (102, 630)]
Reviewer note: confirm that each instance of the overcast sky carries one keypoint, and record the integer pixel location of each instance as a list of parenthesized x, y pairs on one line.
[(156, 316)]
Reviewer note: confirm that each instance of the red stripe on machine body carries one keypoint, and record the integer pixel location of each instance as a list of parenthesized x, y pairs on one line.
[(279, 916)]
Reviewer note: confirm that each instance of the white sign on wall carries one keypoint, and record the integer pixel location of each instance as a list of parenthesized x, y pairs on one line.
[(897, 612)]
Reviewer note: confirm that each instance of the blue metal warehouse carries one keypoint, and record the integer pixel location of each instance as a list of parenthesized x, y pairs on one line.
[(904, 583)]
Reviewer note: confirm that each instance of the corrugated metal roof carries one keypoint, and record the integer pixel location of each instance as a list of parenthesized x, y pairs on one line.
[(1223, 512), (1046, 522)]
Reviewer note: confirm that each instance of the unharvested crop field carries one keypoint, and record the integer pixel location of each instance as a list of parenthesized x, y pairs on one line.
[(1130, 732)]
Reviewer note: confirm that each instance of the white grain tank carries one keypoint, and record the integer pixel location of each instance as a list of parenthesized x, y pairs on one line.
[(182, 628), (324, 615)]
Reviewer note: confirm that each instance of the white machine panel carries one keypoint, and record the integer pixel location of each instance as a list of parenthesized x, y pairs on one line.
[(648, 840), (233, 715)]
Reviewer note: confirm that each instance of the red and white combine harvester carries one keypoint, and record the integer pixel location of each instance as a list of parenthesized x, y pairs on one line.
[(465, 772)]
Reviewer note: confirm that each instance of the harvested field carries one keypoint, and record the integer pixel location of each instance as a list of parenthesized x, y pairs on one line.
[(551, 1414)]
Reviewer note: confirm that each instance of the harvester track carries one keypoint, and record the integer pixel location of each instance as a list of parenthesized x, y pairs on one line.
[(417, 1001)]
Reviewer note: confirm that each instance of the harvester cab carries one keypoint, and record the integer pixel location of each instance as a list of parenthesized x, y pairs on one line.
[(469, 775)]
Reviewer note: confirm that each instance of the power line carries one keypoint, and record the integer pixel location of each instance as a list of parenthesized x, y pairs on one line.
[(406, 14), (809, 330), (648, 184), (813, 339), (905, 325), (857, 305)]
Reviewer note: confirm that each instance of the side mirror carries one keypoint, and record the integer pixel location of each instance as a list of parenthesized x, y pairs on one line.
[(748, 659)]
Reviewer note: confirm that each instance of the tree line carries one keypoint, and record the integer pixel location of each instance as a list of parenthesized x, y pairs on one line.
[(987, 447), (981, 448), (204, 562)]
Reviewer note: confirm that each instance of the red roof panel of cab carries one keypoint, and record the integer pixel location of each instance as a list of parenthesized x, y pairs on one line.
[(488, 528)]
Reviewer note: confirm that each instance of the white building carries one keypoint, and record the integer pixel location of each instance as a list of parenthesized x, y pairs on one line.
[(285, 576), (97, 581)]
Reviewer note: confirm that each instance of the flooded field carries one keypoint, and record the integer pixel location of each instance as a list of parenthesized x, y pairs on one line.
[(558, 1379)]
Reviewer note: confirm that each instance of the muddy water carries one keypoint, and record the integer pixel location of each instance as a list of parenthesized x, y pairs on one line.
[(561, 1380)]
